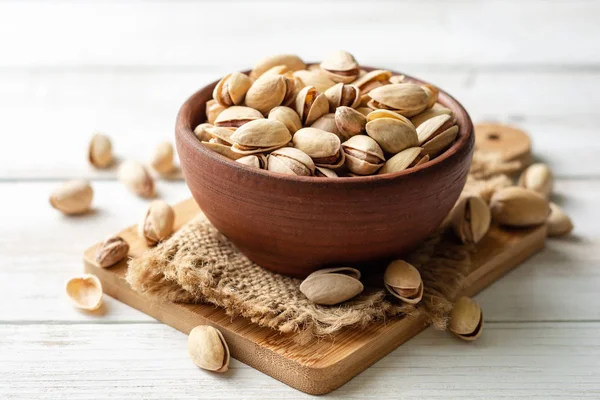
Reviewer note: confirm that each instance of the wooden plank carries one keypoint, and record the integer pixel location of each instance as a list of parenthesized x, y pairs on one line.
[(189, 34), (137, 109), (323, 364), (524, 361)]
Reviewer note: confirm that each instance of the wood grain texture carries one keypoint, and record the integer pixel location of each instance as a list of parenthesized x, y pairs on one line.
[(321, 365)]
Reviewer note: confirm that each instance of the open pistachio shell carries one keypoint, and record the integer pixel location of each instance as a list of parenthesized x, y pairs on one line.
[(85, 292), (433, 127), (432, 94), (363, 155), (100, 151), (201, 132), (291, 61), (397, 79), (157, 222), (322, 146), (353, 272), (436, 110), (310, 105), (267, 92), (325, 173), (260, 135), (287, 116), (400, 161), (318, 79), (392, 133), (349, 122), (466, 319), (365, 82), (471, 218), (257, 161), (403, 281), (327, 123), (330, 288), (407, 99), (364, 110), (342, 95), (289, 160), (222, 149), (73, 197), (538, 178), (558, 222), (207, 349), (232, 89), (236, 116), (213, 110), (222, 134), (441, 142), (341, 67), (517, 206)]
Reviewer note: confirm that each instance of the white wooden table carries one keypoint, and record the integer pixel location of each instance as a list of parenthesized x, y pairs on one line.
[(124, 67)]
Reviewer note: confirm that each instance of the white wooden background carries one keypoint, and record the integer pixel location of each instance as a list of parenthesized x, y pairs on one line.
[(124, 67)]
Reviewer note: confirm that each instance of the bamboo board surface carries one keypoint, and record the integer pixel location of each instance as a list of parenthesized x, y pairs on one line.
[(323, 365)]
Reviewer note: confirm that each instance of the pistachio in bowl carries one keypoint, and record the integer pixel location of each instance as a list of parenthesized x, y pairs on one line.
[(307, 165)]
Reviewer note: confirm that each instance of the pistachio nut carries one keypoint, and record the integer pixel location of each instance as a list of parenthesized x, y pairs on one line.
[(201, 132), (441, 142), (331, 287), (325, 173), (319, 79), (342, 95), (538, 178), (270, 91), (279, 70), (558, 222), (207, 349), (470, 219), (363, 155), (290, 161), (219, 134), (232, 89), (157, 223), (259, 136), (287, 116), (372, 80), (434, 126), (311, 105), (162, 158), (397, 79), (432, 94), (391, 131), (466, 319), (341, 67), (136, 178), (100, 151), (72, 197), (405, 159), (349, 122), (434, 111), (85, 292), (518, 207), (111, 251), (327, 123), (364, 110), (352, 272), (213, 109), (291, 61), (322, 146), (407, 99), (257, 161), (222, 149), (403, 281)]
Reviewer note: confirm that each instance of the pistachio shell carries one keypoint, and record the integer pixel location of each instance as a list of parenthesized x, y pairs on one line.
[(325, 173), (162, 158), (433, 127), (407, 99), (558, 222), (213, 110), (267, 92), (353, 272), (349, 122), (363, 155), (223, 149), (259, 136), (111, 251), (72, 197), (157, 223), (436, 110), (201, 132), (85, 292), (432, 94), (310, 105), (322, 146), (397, 79), (466, 319), (400, 161), (364, 82), (278, 70), (538, 178), (441, 142), (232, 89), (330, 288), (364, 110), (516, 206), (471, 218), (318, 79), (327, 123), (287, 116), (341, 67), (407, 296), (392, 134), (222, 134), (342, 95), (257, 161), (136, 178), (289, 160), (207, 349), (401, 275), (291, 61), (236, 116), (100, 151)]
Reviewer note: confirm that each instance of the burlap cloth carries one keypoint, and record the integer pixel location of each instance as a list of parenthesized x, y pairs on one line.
[(199, 265)]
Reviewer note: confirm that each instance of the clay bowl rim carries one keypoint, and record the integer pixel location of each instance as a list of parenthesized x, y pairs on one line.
[(186, 132)]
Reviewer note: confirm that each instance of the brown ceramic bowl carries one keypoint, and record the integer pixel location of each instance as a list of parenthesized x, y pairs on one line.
[(294, 224)]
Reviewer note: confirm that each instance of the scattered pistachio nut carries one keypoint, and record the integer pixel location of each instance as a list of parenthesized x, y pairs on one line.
[(162, 158), (157, 223), (136, 178), (100, 151), (332, 286), (471, 219), (290, 161), (85, 292), (342, 95), (72, 197), (403, 281), (291, 61), (466, 319), (231, 90), (236, 116), (538, 178), (519, 207), (259, 136), (391, 131), (341, 67), (363, 155), (207, 349), (311, 105), (349, 122), (323, 147), (407, 99), (286, 116), (558, 222), (270, 91), (111, 251)]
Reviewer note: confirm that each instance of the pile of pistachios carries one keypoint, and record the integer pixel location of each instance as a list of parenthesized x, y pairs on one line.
[(327, 120)]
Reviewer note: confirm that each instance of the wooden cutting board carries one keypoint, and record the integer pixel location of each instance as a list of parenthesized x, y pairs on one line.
[(323, 365)]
